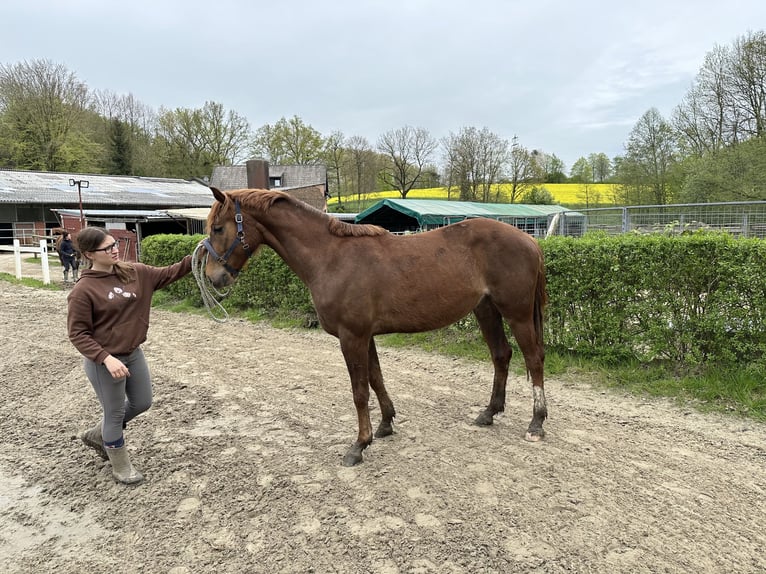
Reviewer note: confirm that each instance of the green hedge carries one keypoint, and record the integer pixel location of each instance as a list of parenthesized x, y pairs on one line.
[(161, 250), (688, 300)]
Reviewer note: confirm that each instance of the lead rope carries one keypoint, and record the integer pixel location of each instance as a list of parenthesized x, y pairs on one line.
[(208, 292)]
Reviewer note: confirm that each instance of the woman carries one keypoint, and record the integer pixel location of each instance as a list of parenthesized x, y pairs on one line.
[(68, 257), (108, 317)]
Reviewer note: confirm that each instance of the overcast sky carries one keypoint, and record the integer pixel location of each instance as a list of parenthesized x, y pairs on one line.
[(569, 78)]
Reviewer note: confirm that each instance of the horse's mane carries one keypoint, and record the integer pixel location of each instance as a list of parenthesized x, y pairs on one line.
[(345, 229), (262, 200)]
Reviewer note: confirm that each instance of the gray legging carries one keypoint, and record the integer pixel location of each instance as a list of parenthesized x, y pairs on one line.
[(122, 399)]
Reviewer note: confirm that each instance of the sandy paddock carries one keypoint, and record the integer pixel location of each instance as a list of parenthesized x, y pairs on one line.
[(242, 449)]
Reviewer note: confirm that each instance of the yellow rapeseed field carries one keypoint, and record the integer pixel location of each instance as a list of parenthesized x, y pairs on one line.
[(563, 193)]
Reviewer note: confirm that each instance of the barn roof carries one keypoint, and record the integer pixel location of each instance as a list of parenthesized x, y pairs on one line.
[(34, 187), (401, 214), (118, 214)]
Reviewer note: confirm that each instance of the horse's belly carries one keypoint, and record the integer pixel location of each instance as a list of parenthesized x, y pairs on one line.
[(424, 313)]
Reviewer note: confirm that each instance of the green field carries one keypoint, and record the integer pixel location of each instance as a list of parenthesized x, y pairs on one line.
[(568, 194)]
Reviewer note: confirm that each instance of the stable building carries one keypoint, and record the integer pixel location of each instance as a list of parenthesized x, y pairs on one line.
[(33, 203), (305, 182)]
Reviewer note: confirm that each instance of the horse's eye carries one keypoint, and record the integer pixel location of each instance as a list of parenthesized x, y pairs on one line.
[(218, 229)]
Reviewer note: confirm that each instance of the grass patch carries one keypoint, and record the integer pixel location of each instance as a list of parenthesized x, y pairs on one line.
[(52, 261), (446, 341), (29, 282)]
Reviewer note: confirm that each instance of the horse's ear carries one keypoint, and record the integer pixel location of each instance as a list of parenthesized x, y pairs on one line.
[(218, 194)]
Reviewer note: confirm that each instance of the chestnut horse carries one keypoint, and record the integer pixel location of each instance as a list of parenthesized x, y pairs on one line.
[(365, 281)]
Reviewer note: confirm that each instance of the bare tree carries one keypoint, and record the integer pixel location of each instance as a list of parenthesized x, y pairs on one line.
[(522, 171), (126, 108), (706, 119), (727, 103), (362, 165), (334, 158), (225, 135), (748, 82), (475, 162), (407, 150)]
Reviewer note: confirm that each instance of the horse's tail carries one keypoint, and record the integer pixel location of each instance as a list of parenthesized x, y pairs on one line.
[(541, 300)]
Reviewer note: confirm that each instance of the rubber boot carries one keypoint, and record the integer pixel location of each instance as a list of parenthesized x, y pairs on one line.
[(66, 276), (122, 470), (74, 274), (93, 439)]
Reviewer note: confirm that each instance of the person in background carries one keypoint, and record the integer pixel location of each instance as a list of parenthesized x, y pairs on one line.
[(107, 321), (68, 258)]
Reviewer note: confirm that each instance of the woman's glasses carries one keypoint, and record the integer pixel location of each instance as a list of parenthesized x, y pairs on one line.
[(108, 248)]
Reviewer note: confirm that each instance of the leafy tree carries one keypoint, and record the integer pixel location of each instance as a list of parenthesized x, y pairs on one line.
[(43, 105), (288, 142), (407, 151), (736, 173), (650, 158), (194, 141), (581, 171), (430, 178), (121, 152), (551, 168), (538, 195), (601, 167), (140, 124)]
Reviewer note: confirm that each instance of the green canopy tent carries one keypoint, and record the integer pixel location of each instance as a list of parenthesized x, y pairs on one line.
[(414, 215)]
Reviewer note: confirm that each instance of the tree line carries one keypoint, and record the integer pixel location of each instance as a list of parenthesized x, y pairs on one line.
[(712, 148)]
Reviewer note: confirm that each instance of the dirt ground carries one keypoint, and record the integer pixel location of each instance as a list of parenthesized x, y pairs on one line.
[(242, 450)]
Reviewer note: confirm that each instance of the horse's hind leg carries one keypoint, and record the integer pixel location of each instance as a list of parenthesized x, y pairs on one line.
[(387, 410), (534, 358), (491, 325)]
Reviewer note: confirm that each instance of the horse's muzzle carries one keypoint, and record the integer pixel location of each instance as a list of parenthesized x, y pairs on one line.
[(219, 278)]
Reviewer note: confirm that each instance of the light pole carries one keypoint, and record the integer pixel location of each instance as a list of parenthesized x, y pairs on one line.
[(80, 183)]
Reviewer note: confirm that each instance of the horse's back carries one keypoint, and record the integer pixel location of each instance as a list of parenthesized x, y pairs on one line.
[(490, 239)]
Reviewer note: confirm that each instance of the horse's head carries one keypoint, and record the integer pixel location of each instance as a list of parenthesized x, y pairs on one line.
[(228, 244)]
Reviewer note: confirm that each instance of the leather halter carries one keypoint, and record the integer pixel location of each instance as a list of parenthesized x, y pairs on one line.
[(238, 240)]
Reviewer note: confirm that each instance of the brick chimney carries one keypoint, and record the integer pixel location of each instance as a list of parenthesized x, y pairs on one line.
[(257, 173)]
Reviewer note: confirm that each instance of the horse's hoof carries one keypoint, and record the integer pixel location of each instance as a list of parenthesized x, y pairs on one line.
[(384, 430), (535, 435), (484, 419), (352, 458)]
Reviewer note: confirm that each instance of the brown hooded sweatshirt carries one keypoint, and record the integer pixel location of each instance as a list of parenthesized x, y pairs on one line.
[(109, 317)]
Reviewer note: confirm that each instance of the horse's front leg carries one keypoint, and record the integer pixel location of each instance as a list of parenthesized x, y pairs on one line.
[(356, 354)]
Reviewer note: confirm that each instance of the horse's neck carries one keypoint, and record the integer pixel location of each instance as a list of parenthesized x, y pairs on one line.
[(302, 240)]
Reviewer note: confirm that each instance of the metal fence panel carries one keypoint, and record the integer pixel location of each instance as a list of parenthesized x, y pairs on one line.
[(741, 219)]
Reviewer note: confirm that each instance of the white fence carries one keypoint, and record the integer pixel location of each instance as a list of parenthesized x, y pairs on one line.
[(18, 249)]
